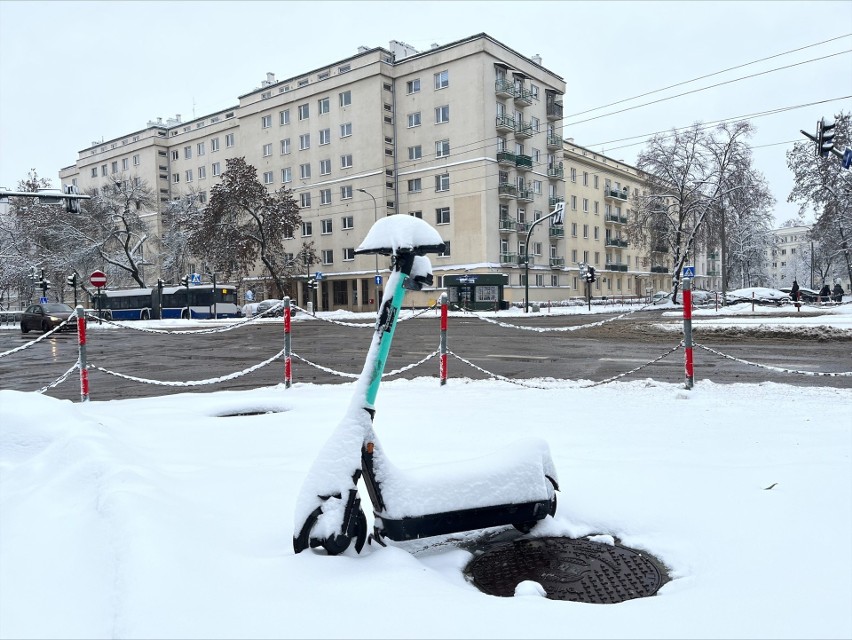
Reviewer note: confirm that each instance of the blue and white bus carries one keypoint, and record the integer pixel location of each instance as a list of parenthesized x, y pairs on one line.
[(146, 304)]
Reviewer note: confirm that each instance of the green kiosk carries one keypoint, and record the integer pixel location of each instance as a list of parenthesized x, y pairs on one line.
[(477, 291)]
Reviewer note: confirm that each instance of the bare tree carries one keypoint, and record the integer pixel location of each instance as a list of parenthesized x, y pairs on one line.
[(822, 184), (244, 223), (693, 177)]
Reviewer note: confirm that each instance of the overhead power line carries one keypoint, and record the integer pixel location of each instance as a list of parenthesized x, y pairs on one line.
[(709, 75)]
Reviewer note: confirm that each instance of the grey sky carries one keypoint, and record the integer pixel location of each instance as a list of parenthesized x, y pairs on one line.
[(75, 72)]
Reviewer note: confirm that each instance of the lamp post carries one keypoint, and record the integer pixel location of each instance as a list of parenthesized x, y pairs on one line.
[(375, 218), (559, 212)]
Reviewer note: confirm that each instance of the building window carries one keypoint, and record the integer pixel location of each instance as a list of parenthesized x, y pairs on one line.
[(348, 222), (348, 254), (346, 192), (265, 122), (416, 214), (573, 229), (307, 229), (415, 153), (214, 145), (414, 185), (585, 178), (346, 161), (305, 200), (573, 174), (267, 150), (304, 111), (414, 119), (346, 130), (284, 117), (345, 98), (446, 251), (586, 231), (305, 171), (175, 178), (442, 148), (573, 203), (216, 168), (202, 197), (442, 114), (125, 164), (229, 140), (326, 226), (442, 215), (287, 175), (114, 166), (327, 256), (325, 167), (199, 149), (325, 196), (596, 182), (202, 172), (322, 105), (324, 136), (267, 177), (304, 141), (413, 86), (442, 79), (596, 231), (597, 208), (585, 205), (442, 182), (94, 172), (175, 154)]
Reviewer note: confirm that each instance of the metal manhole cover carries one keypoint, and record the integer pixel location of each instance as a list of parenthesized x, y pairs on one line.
[(575, 570)]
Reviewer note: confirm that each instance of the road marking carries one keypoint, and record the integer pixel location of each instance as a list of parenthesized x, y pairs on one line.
[(622, 360), (511, 357)]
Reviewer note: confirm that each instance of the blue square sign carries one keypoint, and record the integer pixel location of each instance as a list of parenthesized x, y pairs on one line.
[(689, 272), (378, 279)]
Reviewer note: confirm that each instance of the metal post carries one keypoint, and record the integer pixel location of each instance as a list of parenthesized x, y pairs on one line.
[(558, 212), (443, 343), (215, 315), (687, 331), (288, 365), (375, 218), (100, 307), (81, 362)]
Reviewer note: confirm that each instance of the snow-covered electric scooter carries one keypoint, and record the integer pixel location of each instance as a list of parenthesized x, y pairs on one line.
[(516, 487)]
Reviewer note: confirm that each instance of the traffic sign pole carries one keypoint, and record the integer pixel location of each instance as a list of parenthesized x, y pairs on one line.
[(687, 332)]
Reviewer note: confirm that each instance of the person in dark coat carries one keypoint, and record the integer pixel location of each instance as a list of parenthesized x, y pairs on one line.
[(825, 294), (794, 291), (838, 292)]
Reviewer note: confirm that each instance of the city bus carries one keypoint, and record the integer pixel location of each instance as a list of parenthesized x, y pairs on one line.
[(147, 304)]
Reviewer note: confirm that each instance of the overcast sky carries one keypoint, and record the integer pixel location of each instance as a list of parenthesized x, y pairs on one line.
[(75, 72)]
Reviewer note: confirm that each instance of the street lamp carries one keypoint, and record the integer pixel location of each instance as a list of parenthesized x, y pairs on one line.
[(375, 218), (559, 212)]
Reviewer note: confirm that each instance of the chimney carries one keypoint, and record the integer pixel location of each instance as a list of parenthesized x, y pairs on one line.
[(537, 59), (270, 77), (177, 117)]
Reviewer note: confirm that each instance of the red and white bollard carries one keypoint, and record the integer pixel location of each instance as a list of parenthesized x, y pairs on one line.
[(443, 346), (288, 363), (687, 332), (81, 342)]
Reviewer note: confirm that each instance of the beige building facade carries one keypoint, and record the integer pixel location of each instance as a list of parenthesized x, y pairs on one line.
[(468, 136)]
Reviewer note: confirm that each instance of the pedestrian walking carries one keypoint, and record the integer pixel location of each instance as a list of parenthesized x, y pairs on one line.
[(794, 291), (838, 292), (825, 294)]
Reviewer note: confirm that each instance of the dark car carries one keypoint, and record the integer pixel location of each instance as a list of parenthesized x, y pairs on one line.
[(46, 316), (266, 305)]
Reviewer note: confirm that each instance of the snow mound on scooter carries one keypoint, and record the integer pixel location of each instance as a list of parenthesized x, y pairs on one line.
[(512, 475), (394, 233)]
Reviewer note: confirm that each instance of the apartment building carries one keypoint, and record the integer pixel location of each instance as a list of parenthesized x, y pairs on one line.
[(789, 258), (467, 136)]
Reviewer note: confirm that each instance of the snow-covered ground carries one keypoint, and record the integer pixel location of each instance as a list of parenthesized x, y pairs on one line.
[(162, 518)]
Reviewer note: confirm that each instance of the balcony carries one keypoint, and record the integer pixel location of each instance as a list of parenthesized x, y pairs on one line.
[(557, 231), (523, 227), (616, 219), (508, 258), (618, 243), (555, 172), (659, 269), (506, 158), (523, 97), (523, 130), (554, 141), (557, 262), (554, 200), (615, 194), (616, 267), (506, 190), (507, 225), (505, 123), (523, 163), (526, 195), (713, 273), (504, 88), (554, 110), (660, 249)]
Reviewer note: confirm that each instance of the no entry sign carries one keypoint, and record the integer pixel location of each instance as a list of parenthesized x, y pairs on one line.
[(98, 279)]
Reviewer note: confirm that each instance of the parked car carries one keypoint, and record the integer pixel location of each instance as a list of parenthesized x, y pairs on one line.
[(47, 316), (805, 295), (758, 295), (266, 305)]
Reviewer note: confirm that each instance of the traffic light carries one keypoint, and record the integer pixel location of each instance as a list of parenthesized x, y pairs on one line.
[(825, 137), (72, 205), (312, 283), (590, 274), (44, 285), (185, 281), (72, 280)]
